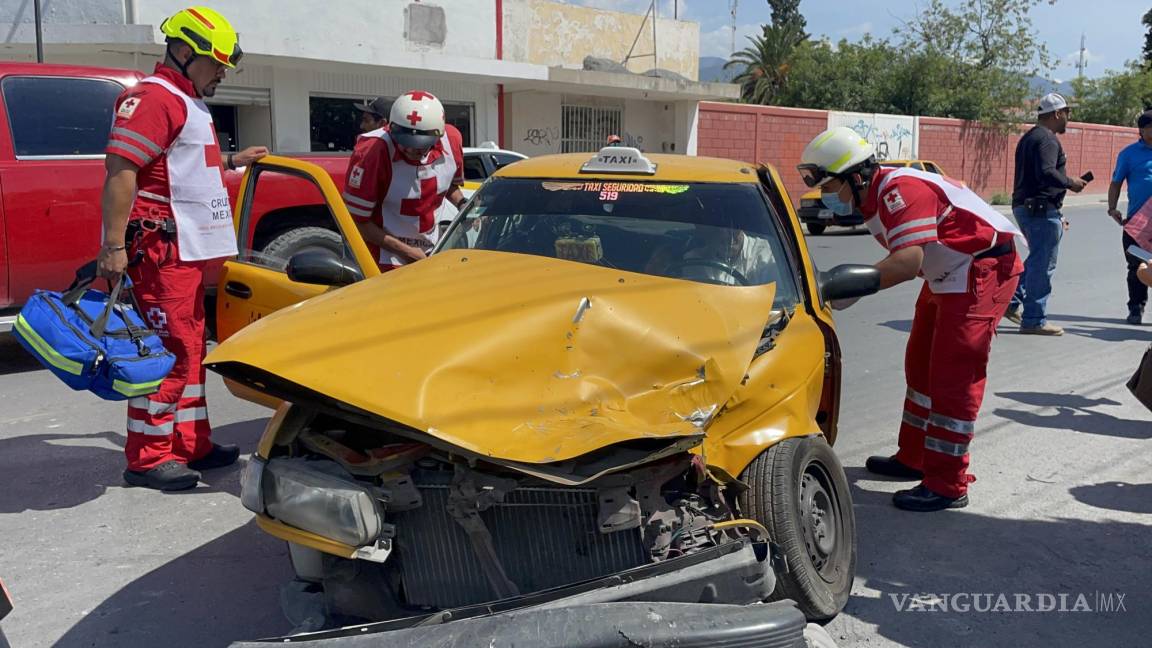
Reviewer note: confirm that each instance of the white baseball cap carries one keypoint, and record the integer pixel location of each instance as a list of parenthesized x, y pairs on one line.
[(1051, 102)]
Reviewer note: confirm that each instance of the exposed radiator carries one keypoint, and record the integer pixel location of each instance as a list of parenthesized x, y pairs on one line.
[(545, 537)]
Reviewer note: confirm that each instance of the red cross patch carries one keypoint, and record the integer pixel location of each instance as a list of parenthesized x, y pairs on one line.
[(414, 117), (420, 95), (894, 201), (157, 319), (128, 107)]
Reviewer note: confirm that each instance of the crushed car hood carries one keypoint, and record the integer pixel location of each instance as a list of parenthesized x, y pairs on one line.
[(517, 357)]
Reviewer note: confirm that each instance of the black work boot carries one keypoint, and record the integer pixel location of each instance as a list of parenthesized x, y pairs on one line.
[(218, 457), (1135, 316), (168, 476), (891, 467), (922, 500)]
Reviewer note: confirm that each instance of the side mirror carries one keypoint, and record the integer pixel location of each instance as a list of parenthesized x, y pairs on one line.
[(323, 268), (849, 281)]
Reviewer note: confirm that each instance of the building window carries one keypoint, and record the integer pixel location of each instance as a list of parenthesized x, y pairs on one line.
[(224, 119), (335, 122), (460, 116), (58, 116), (585, 129)]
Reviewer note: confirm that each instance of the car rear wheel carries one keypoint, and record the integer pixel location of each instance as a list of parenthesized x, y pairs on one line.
[(797, 490), (302, 239), (815, 229)]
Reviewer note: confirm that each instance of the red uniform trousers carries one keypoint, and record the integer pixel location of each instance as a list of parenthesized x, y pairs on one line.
[(946, 366), (171, 424)]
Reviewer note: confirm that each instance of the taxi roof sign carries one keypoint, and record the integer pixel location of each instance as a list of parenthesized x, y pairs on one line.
[(619, 159)]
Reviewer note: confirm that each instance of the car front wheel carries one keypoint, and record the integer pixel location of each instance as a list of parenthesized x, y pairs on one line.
[(797, 489)]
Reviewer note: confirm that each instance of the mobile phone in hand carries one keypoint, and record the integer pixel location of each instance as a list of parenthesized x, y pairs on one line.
[(1140, 253), (1088, 177)]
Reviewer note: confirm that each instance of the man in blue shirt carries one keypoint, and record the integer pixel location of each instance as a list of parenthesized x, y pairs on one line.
[(1134, 166)]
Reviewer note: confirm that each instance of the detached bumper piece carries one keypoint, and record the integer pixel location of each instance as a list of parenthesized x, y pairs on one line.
[(600, 625), (712, 598)]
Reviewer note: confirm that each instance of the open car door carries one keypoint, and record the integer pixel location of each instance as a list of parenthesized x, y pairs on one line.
[(257, 281)]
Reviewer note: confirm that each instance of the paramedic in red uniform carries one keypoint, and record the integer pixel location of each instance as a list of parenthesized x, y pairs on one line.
[(967, 253), (165, 205), (398, 176)]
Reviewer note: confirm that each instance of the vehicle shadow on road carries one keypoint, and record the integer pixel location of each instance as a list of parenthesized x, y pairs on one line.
[(904, 326), (1073, 412), (910, 554), (14, 359), (1116, 496), (43, 472), (224, 591)]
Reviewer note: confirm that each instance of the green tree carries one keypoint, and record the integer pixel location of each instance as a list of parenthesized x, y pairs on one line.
[(990, 50), (765, 63), (844, 76), (787, 12), (1147, 22), (1116, 98)]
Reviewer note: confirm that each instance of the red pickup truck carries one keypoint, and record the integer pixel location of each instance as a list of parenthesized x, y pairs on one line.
[(52, 171)]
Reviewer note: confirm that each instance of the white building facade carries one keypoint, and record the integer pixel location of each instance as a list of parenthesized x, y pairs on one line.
[(508, 71)]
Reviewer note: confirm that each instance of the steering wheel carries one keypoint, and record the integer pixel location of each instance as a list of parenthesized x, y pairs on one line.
[(708, 263)]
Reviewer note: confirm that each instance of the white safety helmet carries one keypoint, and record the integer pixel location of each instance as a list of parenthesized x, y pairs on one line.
[(416, 120), (836, 152)]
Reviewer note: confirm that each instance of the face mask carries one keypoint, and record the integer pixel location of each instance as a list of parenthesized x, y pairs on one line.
[(839, 207)]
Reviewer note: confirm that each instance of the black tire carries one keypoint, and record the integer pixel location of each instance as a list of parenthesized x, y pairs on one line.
[(299, 239), (816, 229), (797, 490)]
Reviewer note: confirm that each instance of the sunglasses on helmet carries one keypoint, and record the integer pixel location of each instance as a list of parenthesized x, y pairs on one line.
[(206, 45), (814, 176)]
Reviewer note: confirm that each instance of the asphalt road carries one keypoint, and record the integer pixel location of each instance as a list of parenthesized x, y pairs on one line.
[(1062, 505)]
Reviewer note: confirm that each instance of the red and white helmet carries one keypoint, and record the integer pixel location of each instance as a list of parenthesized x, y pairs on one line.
[(416, 120)]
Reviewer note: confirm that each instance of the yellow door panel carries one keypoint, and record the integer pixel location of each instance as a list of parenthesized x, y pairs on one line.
[(248, 292)]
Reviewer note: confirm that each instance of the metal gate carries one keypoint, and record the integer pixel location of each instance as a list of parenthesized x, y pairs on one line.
[(586, 128)]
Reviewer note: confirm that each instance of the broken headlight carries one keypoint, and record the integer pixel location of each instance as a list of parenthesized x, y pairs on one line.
[(319, 496)]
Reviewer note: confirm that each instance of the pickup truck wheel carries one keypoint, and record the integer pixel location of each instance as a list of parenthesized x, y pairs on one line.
[(797, 490), (815, 229), (301, 239)]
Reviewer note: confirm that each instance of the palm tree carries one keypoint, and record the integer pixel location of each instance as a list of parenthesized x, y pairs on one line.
[(766, 62)]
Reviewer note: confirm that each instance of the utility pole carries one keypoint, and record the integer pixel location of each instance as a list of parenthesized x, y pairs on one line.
[(732, 9), (39, 34), (1082, 64)]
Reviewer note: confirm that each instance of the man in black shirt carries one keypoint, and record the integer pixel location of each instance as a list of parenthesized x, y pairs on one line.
[(1037, 196)]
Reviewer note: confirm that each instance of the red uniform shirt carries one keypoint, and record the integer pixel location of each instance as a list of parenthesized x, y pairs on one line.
[(370, 174), (148, 120), (910, 212)]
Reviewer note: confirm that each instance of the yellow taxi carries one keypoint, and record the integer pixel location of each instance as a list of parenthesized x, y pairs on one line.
[(616, 378), (816, 217)]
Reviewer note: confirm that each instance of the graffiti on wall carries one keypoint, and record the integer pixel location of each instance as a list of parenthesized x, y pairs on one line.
[(893, 136), (542, 136)]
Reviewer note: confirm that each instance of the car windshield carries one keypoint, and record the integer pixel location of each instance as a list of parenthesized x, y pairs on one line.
[(724, 234)]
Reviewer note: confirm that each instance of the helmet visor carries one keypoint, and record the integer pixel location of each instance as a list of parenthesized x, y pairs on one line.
[(813, 176), (413, 139)]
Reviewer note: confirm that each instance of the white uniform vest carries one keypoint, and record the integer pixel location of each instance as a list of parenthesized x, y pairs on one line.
[(945, 269), (199, 200), (407, 182)]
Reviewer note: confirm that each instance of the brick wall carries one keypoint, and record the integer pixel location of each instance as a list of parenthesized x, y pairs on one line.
[(980, 156)]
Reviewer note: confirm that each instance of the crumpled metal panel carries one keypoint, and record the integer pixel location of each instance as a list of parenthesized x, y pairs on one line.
[(518, 357), (545, 537)]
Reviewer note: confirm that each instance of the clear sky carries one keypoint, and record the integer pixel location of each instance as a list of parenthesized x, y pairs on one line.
[(1111, 28)]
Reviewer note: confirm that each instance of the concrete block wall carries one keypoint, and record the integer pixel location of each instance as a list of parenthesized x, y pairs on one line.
[(981, 156)]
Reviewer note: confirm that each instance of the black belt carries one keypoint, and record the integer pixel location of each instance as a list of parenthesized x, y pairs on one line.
[(998, 251)]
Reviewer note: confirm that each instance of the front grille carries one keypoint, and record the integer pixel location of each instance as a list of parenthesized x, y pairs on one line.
[(544, 537)]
